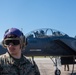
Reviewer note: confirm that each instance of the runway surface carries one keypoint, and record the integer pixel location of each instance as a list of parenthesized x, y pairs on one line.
[(47, 67)]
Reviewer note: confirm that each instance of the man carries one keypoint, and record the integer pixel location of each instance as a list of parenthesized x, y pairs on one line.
[(14, 62)]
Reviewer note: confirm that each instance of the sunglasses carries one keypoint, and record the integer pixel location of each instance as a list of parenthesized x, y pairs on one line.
[(14, 41)]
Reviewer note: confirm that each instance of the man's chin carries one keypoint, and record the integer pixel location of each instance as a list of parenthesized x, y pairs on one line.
[(12, 53)]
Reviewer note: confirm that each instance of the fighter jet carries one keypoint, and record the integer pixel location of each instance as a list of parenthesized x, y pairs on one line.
[(49, 42)]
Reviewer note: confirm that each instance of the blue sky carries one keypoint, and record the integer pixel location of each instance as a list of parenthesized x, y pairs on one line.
[(36, 14)]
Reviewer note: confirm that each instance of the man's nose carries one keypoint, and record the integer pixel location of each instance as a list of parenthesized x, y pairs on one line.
[(11, 44)]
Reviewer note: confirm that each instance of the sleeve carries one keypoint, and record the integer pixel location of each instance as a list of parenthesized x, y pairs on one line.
[(35, 68), (1, 68), (37, 72)]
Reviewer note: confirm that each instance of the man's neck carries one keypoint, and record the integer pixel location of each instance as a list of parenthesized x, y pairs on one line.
[(17, 56)]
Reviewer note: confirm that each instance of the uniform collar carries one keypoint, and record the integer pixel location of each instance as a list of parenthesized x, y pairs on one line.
[(14, 61)]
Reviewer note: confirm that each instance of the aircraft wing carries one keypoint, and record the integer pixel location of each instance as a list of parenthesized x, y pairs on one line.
[(70, 42)]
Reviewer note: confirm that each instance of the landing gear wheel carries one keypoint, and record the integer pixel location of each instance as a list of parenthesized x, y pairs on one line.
[(57, 72)]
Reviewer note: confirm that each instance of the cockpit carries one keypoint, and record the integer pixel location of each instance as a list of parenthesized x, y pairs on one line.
[(46, 32)]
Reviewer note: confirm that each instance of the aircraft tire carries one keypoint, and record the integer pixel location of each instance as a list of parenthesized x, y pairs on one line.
[(57, 72)]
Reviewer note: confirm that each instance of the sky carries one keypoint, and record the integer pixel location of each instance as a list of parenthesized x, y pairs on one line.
[(29, 15)]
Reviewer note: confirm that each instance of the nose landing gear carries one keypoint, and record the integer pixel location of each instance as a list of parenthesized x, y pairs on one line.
[(57, 71)]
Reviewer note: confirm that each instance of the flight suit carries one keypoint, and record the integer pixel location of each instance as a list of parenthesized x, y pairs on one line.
[(12, 66)]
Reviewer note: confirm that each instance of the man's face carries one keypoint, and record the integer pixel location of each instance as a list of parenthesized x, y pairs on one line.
[(13, 45), (14, 50)]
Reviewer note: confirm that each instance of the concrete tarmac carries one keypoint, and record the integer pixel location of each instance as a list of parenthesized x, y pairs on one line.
[(47, 67)]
